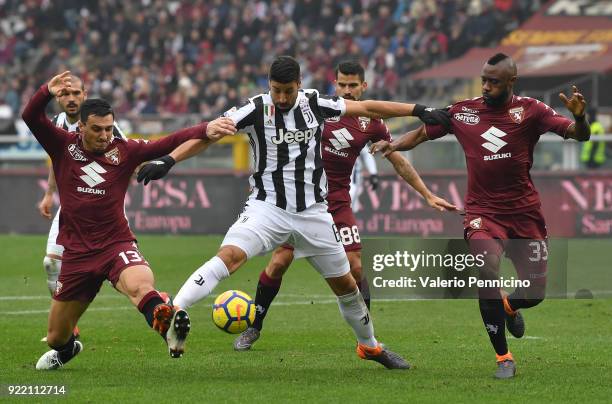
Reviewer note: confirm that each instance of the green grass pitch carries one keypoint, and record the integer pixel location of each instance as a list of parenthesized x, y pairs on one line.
[(306, 353)]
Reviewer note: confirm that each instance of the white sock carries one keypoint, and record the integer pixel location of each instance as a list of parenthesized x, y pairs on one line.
[(52, 266), (201, 283), (356, 314)]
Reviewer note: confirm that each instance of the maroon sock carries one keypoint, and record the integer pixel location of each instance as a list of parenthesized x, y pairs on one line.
[(267, 288), (147, 305)]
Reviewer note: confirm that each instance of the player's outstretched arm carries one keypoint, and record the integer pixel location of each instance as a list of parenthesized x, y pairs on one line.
[(390, 109), (406, 142), (405, 170), (216, 130), (581, 129), (158, 168)]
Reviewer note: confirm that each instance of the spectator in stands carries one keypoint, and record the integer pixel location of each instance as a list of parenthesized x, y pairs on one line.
[(151, 53)]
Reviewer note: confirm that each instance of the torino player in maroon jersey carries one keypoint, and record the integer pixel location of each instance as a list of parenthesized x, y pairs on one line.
[(343, 139), (93, 171), (498, 133)]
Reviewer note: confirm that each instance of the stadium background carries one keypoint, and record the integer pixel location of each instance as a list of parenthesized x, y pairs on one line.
[(168, 64), (165, 65)]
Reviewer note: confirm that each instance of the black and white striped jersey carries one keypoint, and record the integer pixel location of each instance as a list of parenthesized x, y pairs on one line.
[(288, 169), (61, 121)]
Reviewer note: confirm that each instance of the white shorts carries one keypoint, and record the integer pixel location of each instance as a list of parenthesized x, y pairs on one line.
[(262, 227), (356, 187), (52, 246)]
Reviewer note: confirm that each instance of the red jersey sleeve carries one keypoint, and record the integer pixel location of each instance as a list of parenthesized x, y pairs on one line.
[(437, 131), (548, 120), (51, 138), (143, 150), (381, 132)]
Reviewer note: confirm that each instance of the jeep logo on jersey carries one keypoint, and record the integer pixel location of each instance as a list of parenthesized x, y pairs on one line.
[(342, 137), (467, 118), (92, 174), (293, 136), (494, 135), (76, 153)]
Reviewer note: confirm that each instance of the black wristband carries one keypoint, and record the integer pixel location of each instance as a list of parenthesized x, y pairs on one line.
[(580, 118), (418, 109)]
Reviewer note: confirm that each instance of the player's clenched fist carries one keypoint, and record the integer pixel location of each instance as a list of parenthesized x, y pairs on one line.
[(155, 169), (384, 147), (220, 128)]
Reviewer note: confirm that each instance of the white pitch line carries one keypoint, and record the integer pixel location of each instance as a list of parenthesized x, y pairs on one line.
[(119, 296), (46, 311), (47, 297)]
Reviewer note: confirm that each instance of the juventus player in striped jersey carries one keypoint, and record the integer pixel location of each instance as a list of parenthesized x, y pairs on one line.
[(70, 103), (289, 186), (343, 142)]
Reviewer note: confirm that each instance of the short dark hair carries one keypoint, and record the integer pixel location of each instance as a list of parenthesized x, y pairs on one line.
[(351, 67), (77, 78), (498, 57), (97, 107), (285, 69)]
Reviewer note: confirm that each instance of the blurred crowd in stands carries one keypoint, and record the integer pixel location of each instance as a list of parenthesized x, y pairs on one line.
[(205, 56)]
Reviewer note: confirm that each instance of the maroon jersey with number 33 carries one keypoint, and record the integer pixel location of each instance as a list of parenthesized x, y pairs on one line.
[(498, 143)]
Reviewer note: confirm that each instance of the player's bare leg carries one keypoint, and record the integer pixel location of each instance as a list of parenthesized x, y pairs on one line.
[(63, 316), (138, 284), (53, 266), (356, 314)]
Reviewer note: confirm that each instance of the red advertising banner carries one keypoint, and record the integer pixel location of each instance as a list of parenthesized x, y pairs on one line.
[(575, 204)]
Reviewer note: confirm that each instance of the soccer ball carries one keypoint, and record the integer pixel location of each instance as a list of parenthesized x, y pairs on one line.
[(233, 311)]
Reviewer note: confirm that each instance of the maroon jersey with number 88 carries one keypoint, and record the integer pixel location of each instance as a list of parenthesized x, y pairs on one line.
[(343, 139)]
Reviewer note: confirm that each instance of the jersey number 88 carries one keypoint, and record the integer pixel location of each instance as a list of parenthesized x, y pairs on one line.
[(347, 235)]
